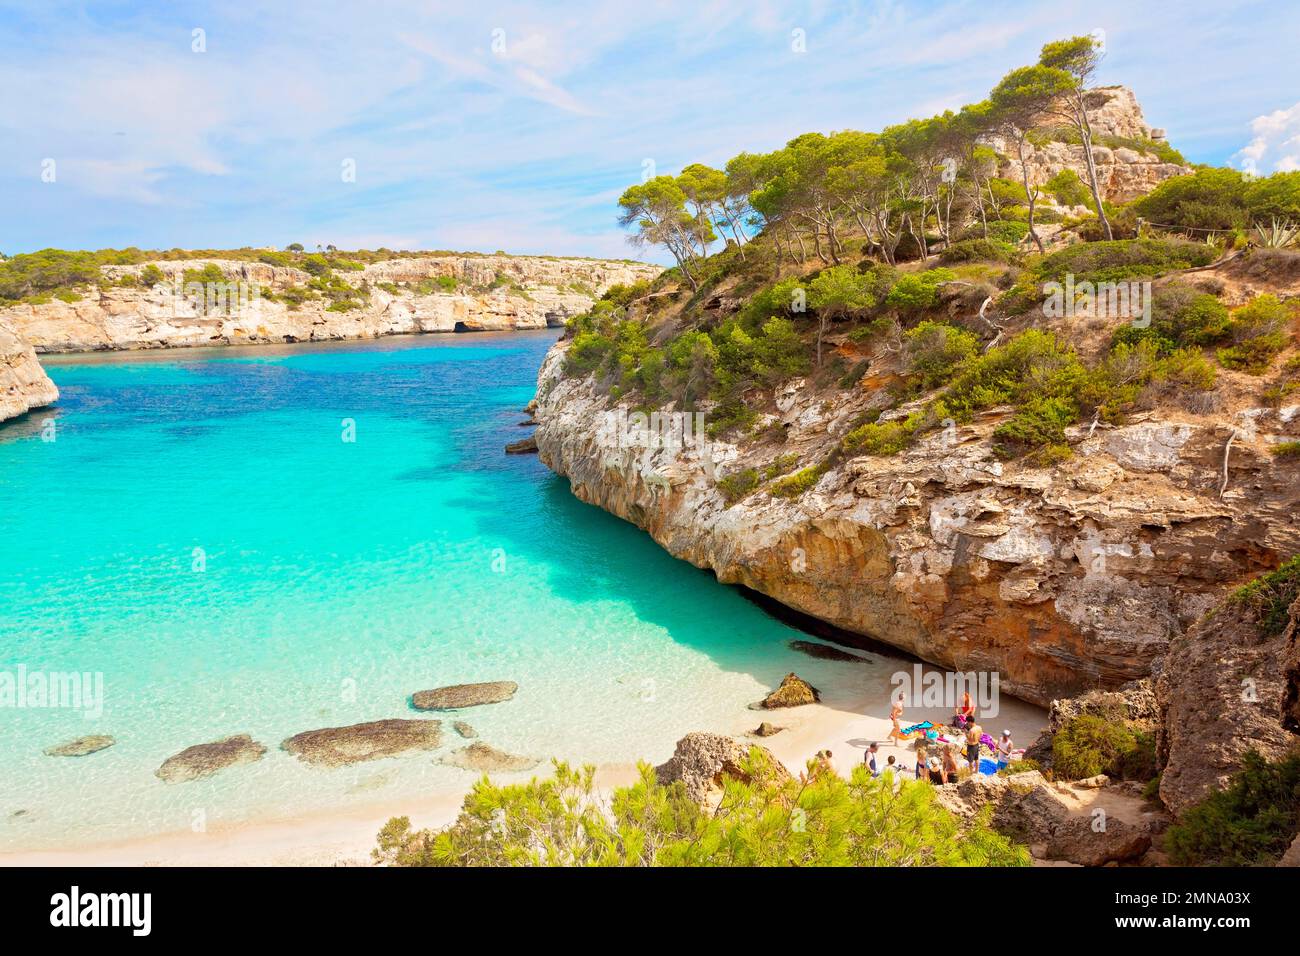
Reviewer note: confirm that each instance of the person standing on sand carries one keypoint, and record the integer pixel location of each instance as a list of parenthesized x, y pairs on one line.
[(920, 762), (973, 747), (966, 713), (1005, 747), (869, 758), (896, 714)]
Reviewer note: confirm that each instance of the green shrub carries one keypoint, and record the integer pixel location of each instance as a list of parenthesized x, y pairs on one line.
[(1122, 259), (979, 250), (1251, 823), (764, 820), (917, 291), (1287, 449), (781, 465), (1088, 745), (1223, 199), (883, 438), (1270, 596), (1010, 231), (316, 264), (738, 484), (151, 276), (1256, 330), (932, 350), (792, 486), (1068, 189)]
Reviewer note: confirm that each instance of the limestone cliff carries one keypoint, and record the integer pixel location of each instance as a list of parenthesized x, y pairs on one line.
[(1128, 168), (23, 383), (1060, 579), (493, 293)]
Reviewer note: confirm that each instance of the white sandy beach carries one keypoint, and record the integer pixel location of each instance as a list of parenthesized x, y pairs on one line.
[(845, 722)]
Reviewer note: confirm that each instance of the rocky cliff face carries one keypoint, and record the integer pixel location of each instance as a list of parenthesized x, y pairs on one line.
[(1225, 688), (532, 293), (1123, 173), (1060, 579), (23, 383)]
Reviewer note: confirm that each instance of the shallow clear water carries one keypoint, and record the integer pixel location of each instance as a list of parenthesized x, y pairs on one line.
[(334, 579)]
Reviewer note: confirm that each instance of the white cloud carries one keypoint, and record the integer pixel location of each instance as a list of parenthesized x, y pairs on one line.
[(1276, 142)]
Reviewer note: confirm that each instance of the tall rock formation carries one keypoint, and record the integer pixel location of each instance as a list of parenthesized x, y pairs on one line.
[(23, 383)]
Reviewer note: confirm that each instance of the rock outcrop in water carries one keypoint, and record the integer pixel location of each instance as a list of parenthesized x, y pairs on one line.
[(202, 760), (23, 383), (482, 758), (82, 746), (457, 696), (496, 293), (340, 746)]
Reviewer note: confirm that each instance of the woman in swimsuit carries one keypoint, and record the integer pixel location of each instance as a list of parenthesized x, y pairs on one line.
[(895, 713)]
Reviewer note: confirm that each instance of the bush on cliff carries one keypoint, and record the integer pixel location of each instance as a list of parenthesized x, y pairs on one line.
[(1122, 260), (1089, 745), (823, 820), (1223, 199), (1251, 823), (1269, 597)]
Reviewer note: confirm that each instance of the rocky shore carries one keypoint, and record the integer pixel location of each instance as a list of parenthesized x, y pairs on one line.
[(1059, 579), (493, 293), (23, 383)]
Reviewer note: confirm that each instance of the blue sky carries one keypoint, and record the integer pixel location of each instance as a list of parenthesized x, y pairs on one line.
[(483, 126)]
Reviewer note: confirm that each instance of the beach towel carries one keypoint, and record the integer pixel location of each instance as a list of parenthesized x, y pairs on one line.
[(923, 725), (988, 741)]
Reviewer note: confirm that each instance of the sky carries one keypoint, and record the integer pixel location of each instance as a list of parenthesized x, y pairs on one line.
[(480, 126)]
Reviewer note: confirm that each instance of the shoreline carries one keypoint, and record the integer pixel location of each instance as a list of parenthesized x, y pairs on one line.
[(840, 723)]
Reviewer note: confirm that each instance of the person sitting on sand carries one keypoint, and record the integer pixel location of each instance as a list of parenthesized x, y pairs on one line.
[(1005, 747), (973, 747), (936, 771), (950, 764), (894, 767), (920, 763), (896, 714)]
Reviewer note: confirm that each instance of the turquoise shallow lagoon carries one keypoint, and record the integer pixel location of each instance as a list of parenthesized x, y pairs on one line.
[(200, 533)]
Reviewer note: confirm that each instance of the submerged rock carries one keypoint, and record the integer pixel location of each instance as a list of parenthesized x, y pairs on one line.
[(202, 760), (464, 695), (525, 446), (340, 746), (464, 729), (793, 692), (81, 746), (701, 760), (481, 758), (824, 652)]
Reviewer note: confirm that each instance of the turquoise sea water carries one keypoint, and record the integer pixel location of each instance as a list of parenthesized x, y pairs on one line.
[(332, 580)]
